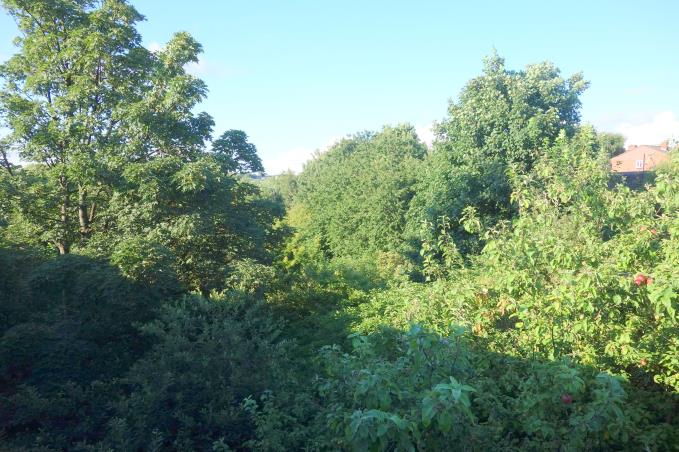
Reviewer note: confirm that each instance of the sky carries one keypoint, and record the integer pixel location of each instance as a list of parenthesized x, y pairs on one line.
[(298, 75)]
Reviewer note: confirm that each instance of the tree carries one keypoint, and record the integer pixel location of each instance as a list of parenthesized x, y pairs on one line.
[(118, 168), (283, 186), (82, 98), (193, 219), (503, 120), (236, 154), (356, 195), (612, 143), (511, 115)]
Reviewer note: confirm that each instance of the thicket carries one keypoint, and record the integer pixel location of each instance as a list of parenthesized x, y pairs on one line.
[(499, 291)]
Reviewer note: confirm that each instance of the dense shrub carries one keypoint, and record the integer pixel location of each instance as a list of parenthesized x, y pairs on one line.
[(187, 392), (75, 330), (425, 391)]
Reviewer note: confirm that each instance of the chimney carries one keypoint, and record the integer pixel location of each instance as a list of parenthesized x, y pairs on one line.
[(665, 145)]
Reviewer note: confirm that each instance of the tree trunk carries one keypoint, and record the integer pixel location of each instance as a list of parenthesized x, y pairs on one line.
[(83, 216), (62, 243), (63, 247)]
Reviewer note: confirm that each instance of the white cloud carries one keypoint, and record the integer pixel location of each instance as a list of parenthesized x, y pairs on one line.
[(294, 159), (155, 47), (198, 68), (204, 67), (426, 133), (662, 126)]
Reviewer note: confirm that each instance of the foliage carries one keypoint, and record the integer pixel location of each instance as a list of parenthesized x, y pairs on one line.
[(282, 186), (72, 330), (565, 272), (503, 119), (81, 98), (190, 219), (353, 198), (187, 393), (563, 281), (235, 154), (424, 391), (612, 144), (195, 309)]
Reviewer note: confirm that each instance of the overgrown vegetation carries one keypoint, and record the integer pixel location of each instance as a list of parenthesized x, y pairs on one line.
[(499, 291)]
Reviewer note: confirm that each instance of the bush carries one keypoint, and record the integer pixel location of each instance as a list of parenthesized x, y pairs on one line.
[(425, 391), (187, 392), (76, 333)]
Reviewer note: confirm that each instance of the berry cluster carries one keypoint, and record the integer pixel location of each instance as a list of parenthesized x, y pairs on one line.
[(642, 280)]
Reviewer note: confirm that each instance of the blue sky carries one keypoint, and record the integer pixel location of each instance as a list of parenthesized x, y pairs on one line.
[(296, 75)]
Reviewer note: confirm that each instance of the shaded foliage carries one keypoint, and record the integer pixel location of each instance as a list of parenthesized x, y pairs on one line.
[(73, 328), (187, 393)]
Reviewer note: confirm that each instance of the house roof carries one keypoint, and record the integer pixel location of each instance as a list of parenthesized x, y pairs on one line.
[(647, 147), (639, 158)]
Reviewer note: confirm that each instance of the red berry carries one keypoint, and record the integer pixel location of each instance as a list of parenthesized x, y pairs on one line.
[(640, 279), (649, 281), (643, 362), (566, 398)]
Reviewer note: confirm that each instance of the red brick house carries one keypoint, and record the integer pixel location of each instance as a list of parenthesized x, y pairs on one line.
[(640, 158)]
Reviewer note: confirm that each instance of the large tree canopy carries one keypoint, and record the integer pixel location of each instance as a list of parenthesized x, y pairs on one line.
[(510, 115), (117, 166), (502, 121), (82, 97)]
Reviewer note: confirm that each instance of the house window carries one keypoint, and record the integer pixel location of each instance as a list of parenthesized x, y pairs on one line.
[(639, 164)]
